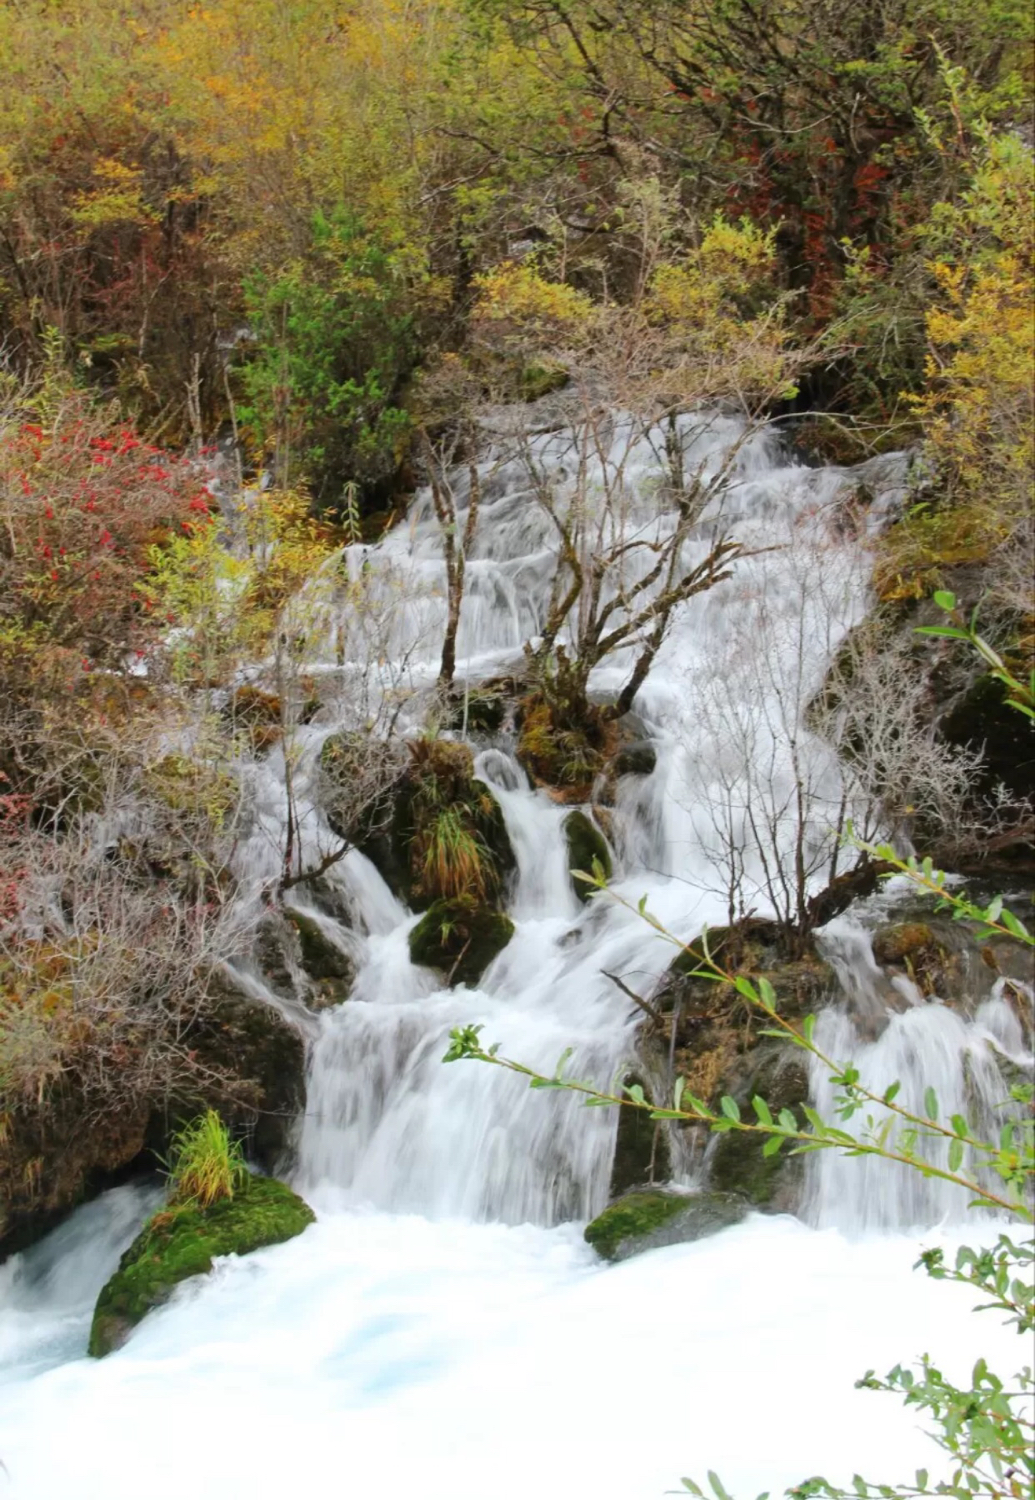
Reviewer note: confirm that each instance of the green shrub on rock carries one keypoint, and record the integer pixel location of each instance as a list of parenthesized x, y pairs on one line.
[(181, 1242), (461, 938)]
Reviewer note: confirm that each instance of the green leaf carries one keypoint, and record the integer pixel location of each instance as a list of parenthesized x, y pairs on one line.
[(931, 1104), (945, 600), (677, 1092), (730, 1108), (761, 1109), (718, 1487), (767, 992), (955, 1155), (773, 1145)]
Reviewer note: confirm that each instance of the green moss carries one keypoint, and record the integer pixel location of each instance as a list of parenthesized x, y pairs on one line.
[(633, 1216), (903, 941), (586, 846), (321, 958), (179, 1243), (461, 938)]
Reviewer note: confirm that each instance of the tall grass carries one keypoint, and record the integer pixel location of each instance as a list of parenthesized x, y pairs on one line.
[(204, 1164), (456, 861)]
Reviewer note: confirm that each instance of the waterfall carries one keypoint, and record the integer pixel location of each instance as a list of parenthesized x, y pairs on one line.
[(725, 702), (442, 1325)]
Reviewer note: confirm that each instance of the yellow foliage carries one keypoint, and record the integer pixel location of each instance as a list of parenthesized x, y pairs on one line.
[(520, 295)]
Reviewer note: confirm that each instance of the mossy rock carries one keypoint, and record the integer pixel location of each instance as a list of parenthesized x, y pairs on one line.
[(322, 959), (179, 1243), (243, 1038), (586, 846), (903, 941), (637, 759), (567, 757), (460, 938), (395, 832), (649, 1220), (485, 711), (736, 1163), (642, 1152)]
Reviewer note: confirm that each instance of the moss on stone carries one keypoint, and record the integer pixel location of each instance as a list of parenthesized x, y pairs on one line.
[(637, 759), (902, 941), (461, 938), (321, 958), (630, 1218), (649, 1220), (586, 846), (179, 1243)]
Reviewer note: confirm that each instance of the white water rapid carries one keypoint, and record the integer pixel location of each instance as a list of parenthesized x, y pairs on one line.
[(443, 1330)]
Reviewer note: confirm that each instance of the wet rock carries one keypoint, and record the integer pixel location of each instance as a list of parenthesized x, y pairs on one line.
[(642, 1151), (460, 938), (736, 1163), (239, 1035), (648, 1220), (181, 1242), (587, 847), (322, 958), (914, 948), (636, 759)]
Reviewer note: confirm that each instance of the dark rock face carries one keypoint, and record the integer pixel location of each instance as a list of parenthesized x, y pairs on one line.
[(637, 759), (586, 846), (736, 1163), (261, 1047), (642, 1151), (327, 965), (714, 1038), (180, 1242), (460, 938), (648, 1220)]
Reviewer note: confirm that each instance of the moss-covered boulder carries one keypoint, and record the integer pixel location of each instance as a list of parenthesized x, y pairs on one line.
[(565, 752), (437, 832), (586, 846), (648, 1220), (182, 1242), (329, 967), (912, 947), (636, 759), (461, 938)]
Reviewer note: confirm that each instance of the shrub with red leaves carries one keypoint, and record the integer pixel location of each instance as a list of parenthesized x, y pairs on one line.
[(82, 499)]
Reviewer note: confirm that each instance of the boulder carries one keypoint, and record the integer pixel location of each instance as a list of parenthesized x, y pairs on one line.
[(642, 1150), (180, 1242), (647, 1220), (587, 846), (461, 938), (637, 759), (772, 1184), (322, 958)]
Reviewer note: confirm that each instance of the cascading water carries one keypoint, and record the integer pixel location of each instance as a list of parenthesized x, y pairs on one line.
[(433, 1301)]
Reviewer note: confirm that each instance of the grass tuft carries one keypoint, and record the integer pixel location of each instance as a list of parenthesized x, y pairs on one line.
[(204, 1164)]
